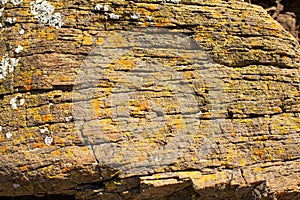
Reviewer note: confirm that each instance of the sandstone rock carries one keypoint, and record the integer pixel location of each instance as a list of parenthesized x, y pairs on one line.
[(148, 99)]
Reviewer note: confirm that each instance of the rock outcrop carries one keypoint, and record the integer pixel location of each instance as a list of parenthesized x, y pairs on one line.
[(148, 99)]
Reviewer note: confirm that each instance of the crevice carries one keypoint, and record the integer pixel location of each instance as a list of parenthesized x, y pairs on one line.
[(46, 197), (243, 175)]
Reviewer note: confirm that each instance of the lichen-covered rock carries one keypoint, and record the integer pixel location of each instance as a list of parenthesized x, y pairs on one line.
[(148, 99)]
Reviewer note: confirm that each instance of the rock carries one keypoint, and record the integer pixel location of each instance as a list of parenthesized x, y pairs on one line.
[(186, 100)]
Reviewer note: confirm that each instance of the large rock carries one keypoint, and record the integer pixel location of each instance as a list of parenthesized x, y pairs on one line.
[(148, 100)]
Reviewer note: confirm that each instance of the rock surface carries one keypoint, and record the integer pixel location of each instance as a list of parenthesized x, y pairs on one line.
[(148, 100)]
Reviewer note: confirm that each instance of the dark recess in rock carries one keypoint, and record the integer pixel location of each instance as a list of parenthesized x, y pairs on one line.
[(286, 12)]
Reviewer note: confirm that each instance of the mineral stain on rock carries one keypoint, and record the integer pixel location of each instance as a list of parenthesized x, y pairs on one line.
[(147, 100)]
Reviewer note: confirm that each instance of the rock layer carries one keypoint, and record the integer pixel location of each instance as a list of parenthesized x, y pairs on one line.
[(148, 100)]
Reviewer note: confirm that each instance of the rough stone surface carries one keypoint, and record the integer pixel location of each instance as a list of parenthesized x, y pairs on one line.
[(148, 99)]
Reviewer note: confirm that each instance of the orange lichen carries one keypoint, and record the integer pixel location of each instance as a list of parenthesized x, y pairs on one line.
[(4, 149), (23, 168), (259, 153), (163, 23), (38, 72), (99, 41), (71, 19), (141, 106), (51, 36), (63, 78), (24, 43), (188, 75), (60, 140), (286, 59), (47, 118), (85, 149), (2, 138), (62, 106), (38, 145), (56, 152), (66, 169), (27, 84), (153, 7), (45, 34), (206, 115)]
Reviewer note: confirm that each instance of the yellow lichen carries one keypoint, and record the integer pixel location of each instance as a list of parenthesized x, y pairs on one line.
[(99, 41), (87, 38), (85, 149), (56, 153), (69, 152), (47, 118)]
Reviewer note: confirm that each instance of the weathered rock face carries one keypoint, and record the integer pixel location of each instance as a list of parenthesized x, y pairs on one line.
[(148, 100)]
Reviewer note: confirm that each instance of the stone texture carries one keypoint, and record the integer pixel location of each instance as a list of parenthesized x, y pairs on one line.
[(148, 100)]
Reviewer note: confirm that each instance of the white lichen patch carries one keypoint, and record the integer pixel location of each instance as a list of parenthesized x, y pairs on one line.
[(15, 185), (8, 135), (106, 8), (43, 12), (3, 1), (22, 31), (7, 65), (100, 7), (171, 1), (1, 11), (22, 102), (11, 20), (16, 101), (13, 63), (135, 16), (56, 21), (44, 131), (13, 103), (149, 18), (19, 49), (68, 119), (48, 140), (4, 65), (113, 16), (0, 128), (16, 2)]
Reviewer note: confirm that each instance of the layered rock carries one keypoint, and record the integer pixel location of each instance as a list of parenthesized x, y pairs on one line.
[(148, 100)]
